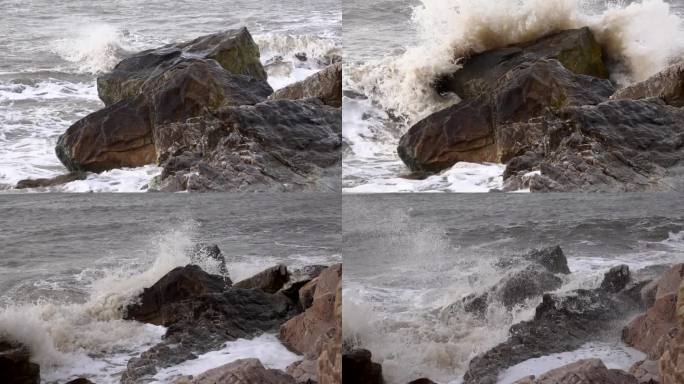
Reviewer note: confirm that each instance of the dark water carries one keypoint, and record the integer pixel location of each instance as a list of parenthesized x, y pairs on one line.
[(52, 245), (408, 256)]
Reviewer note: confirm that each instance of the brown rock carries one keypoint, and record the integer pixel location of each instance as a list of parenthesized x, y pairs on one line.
[(243, 371), (52, 182), (646, 372), (325, 85), (180, 284), (316, 333), (117, 136), (306, 293), (234, 50), (15, 364), (576, 49), (270, 280), (667, 84), (672, 362), (302, 332), (588, 371), (646, 329), (484, 129), (670, 281)]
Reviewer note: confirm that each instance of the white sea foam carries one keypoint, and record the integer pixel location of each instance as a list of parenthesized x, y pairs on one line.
[(94, 47), (614, 356), (267, 348), (91, 338), (632, 36)]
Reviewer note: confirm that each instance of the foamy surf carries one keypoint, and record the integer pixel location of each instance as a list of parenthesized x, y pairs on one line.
[(400, 85), (267, 348)]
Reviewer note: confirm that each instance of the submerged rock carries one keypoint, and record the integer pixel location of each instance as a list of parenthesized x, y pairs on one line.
[(667, 84), (576, 49), (325, 85), (358, 368), (587, 371), (243, 371), (16, 366), (52, 182), (234, 50)]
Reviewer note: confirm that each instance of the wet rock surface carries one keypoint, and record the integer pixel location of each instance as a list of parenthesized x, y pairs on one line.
[(588, 371), (668, 85), (234, 50), (325, 85), (51, 182), (317, 333), (243, 371), (277, 145), (15, 364), (270, 280), (576, 49), (358, 368), (543, 109), (202, 312), (561, 323)]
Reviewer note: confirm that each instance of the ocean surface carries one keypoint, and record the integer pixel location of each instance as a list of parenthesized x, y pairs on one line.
[(53, 51), (69, 262), (406, 257), (395, 48)]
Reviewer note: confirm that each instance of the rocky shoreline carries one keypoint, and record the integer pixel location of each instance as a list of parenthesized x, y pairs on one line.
[(204, 112), (201, 312), (547, 110), (646, 305)]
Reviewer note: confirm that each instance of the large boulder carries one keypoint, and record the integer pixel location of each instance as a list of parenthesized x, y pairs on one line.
[(193, 86), (672, 361), (587, 371), (667, 84), (180, 284), (270, 280), (16, 366), (243, 371), (204, 323), (358, 368), (277, 145), (325, 85), (298, 279), (519, 286), (119, 135), (616, 279), (576, 49), (234, 50), (316, 332), (480, 129), (561, 323)]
